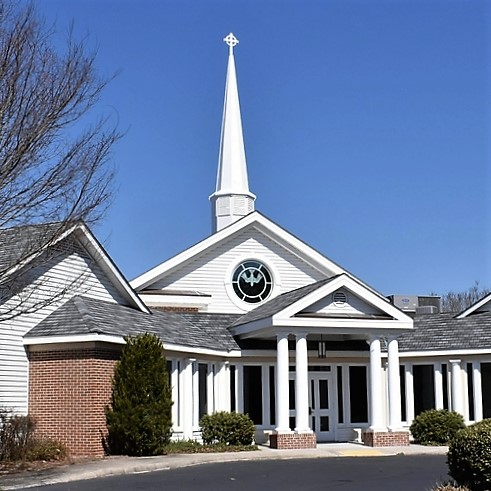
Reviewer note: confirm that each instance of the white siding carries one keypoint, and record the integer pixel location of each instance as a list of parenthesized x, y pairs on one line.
[(353, 306), (211, 271), (68, 270)]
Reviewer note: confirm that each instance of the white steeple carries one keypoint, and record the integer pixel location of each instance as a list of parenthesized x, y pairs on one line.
[(232, 199)]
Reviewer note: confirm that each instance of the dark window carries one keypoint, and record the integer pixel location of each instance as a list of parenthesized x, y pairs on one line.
[(291, 396), (340, 395), (486, 389), (445, 385), (203, 389), (424, 388), (253, 393), (358, 394), (233, 406), (470, 391), (402, 377), (272, 397)]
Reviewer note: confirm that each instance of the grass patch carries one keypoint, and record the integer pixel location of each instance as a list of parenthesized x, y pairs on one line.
[(192, 446)]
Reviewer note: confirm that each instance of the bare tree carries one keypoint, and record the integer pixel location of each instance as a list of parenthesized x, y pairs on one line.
[(459, 301), (54, 161)]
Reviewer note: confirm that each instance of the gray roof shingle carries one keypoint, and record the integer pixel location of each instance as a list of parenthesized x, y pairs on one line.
[(281, 302), (444, 332), (17, 243), (83, 315)]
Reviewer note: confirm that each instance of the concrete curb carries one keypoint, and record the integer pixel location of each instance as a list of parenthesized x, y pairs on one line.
[(113, 466)]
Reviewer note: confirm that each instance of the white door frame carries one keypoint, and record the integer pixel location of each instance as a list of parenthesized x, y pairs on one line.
[(322, 405)]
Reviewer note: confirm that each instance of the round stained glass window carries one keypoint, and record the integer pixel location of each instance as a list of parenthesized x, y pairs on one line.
[(252, 281)]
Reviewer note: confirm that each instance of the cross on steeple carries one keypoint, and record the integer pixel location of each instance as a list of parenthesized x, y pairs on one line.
[(231, 41)]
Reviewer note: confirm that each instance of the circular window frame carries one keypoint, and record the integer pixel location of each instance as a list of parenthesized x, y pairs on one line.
[(252, 282), (245, 306)]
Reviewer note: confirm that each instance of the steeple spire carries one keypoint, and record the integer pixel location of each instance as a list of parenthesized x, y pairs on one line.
[(232, 199)]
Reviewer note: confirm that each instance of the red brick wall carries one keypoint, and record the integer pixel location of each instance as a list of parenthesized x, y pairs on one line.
[(68, 391), (386, 439), (292, 440)]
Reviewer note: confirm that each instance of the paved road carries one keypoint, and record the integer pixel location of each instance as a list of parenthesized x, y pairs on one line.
[(400, 472)]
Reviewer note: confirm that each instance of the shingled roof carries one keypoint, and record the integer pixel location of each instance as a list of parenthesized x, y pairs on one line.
[(18, 243), (281, 302), (436, 332), (83, 315)]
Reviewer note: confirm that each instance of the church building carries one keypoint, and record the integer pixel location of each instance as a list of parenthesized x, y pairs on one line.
[(252, 320)]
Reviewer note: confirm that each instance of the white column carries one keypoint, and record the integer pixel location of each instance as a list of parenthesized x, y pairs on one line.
[(301, 383), (210, 388), (222, 386), (282, 381), (477, 386), (394, 385), (187, 403), (376, 393), (239, 388), (409, 394), (438, 385), (457, 399)]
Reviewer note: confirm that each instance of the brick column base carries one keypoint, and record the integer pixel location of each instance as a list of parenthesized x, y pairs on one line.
[(293, 440), (386, 438)]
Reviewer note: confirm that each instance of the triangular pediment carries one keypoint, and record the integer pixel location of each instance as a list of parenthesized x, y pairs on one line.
[(340, 305), (252, 222)]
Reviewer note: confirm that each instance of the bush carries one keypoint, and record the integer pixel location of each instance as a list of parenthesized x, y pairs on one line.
[(139, 420), (469, 456), (46, 449), (17, 441), (16, 433), (436, 426), (227, 428)]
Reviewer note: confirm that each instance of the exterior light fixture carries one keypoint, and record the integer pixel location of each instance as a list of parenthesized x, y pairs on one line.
[(321, 349)]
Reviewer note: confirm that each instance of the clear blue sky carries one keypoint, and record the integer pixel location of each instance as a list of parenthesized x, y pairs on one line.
[(366, 123)]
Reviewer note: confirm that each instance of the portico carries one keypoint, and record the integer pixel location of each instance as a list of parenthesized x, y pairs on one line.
[(338, 312)]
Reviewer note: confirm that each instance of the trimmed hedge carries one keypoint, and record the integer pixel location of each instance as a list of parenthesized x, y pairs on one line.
[(436, 426), (227, 428), (469, 456)]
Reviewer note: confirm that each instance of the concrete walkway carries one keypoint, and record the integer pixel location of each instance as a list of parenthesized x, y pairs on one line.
[(111, 466)]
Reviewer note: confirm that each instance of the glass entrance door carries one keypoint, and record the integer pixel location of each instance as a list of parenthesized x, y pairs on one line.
[(321, 406)]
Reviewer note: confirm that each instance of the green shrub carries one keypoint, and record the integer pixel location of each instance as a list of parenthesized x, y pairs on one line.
[(227, 428), (139, 420), (436, 426), (469, 456)]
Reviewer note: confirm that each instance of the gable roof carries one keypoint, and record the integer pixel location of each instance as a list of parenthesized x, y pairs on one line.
[(484, 301), (290, 310), (253, 220), (20, 246)]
